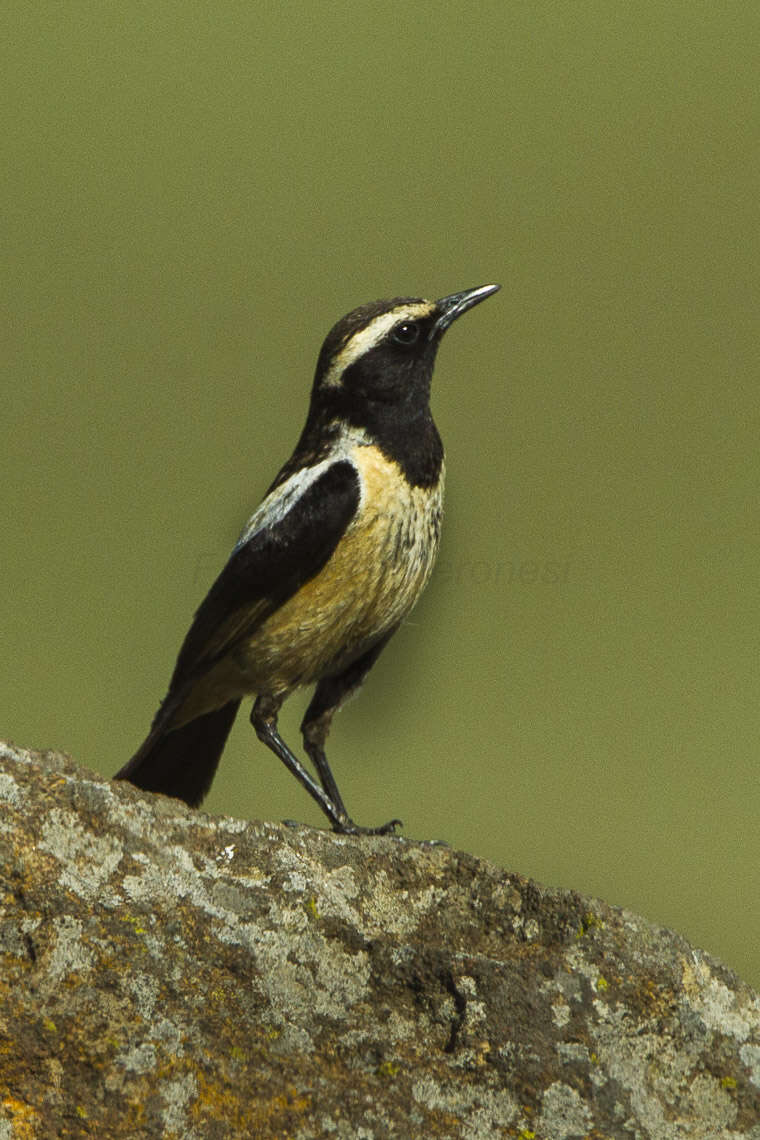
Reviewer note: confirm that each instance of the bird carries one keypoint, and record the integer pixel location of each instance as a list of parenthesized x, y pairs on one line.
[(326, 568)]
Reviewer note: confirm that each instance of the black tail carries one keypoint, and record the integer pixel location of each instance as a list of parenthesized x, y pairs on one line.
[(182, 762)]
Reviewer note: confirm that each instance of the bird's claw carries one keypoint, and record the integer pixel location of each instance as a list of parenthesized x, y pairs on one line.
[(348, 827)]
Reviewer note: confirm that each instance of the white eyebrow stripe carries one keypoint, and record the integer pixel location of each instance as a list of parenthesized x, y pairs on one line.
[(371, 335)]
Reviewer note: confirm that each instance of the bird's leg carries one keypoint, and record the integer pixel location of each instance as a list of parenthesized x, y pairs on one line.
[(264, 720), (315, 732), (314, 736), (329, 695)]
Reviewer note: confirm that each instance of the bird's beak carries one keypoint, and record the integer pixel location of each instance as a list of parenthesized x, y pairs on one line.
[(449, 308)]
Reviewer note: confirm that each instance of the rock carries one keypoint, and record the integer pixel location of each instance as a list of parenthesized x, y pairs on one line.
[(169, 974)]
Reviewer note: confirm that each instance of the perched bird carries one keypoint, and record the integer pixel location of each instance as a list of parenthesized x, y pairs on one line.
[(327, 567)]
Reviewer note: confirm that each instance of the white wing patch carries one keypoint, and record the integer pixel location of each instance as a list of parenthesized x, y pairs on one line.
[(282, 499)]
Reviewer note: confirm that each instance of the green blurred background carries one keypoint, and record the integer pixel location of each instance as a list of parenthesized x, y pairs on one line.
[(193, 193)]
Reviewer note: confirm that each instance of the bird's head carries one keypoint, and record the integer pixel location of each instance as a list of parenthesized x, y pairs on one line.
[(383, 353)]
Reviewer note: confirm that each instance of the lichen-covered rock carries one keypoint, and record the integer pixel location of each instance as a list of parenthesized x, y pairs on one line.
[(168, 974)]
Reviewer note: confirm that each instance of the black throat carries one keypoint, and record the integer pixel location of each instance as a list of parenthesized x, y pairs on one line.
[(411, 440)]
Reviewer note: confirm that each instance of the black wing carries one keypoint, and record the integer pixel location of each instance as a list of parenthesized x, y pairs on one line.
[(269, 568), (261, 574)]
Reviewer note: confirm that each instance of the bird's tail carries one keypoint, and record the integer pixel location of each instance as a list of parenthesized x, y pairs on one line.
[(182, 761)]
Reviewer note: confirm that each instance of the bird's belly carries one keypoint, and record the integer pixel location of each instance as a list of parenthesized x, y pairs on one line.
[(370, 583)]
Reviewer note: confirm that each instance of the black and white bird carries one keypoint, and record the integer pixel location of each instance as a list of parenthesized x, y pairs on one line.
[(327, 567)]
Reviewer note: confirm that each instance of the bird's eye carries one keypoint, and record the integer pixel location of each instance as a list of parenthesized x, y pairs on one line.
[(406, 333)]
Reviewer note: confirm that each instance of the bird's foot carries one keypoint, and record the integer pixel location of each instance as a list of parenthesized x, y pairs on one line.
[(346, 826)]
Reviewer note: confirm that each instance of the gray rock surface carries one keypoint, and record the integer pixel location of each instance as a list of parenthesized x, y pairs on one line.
[(164, 973)]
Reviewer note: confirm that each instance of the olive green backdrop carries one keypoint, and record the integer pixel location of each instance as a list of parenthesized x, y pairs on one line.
[(193, 193)]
